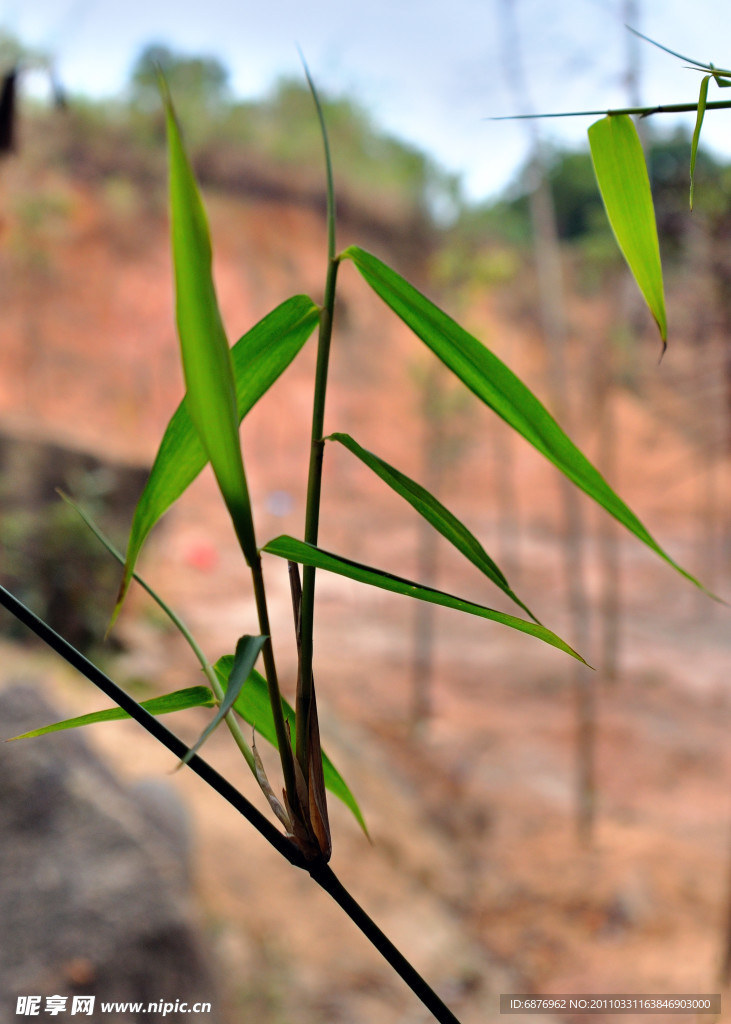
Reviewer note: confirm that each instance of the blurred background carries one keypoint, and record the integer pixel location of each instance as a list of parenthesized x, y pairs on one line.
[(537, 827)]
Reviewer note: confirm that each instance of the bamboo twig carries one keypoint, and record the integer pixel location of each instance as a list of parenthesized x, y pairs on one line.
[(663, 108)]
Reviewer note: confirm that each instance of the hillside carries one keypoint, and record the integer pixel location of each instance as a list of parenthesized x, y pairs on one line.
[(475, 868)]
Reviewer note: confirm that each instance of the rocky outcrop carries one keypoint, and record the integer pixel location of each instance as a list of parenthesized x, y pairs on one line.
[(93, 881)]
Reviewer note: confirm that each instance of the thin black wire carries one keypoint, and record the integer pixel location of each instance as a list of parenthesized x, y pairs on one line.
[(327, 880), (664, 108), (153, 725), (320, 872)]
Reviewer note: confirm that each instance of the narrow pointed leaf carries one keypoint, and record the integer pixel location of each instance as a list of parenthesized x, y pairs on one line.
[(498, 387), (174, 618), (702, 100), (723, 77), (247, 651), (308, 554), (259, 357), (207, 366), (180, 700), (621, 173), (435, 513), (254, 707)]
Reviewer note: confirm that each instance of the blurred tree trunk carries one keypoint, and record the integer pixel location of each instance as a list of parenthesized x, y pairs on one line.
[(721, 270), (609, 540), (551, 291), (508, 526), (432, 459), (610, 603), (553, 316)]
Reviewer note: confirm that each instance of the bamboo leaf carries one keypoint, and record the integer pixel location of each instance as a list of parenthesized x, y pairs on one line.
[(435, 513), (702, 100), (176, 621), (308, 554), (259, 357), (722, 76), (498, 387), (180, 700), (621, 173), (247, 651), (254, 707), (207, 366)]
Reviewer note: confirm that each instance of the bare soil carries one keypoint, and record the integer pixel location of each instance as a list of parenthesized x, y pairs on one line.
[(475, 868)]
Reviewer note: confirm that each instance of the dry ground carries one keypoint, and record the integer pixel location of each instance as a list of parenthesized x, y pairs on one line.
[(475, 868)]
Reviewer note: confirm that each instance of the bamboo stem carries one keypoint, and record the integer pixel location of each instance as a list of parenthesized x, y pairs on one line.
[(312, 518), (663, 108), (275, 696), (305, 686)]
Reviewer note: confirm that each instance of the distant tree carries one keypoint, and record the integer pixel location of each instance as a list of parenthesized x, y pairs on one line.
[(198, 83), (579, 209)]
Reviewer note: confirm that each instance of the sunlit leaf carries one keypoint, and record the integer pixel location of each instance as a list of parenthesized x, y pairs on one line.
[(435, 513), (259, 357), (207, 366), (497, 386), (254, 707), (247, 651), (308, 554), (702, 100), (180, 700), (621, 173)]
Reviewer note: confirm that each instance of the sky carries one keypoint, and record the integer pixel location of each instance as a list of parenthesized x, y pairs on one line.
[(431, 72)]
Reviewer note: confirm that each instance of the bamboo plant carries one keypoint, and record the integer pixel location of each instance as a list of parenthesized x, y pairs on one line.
[(222, 385), (624, 184)]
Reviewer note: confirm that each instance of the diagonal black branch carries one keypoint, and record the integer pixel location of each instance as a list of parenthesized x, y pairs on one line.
[(327, 880), (319, 871), (153, 725)]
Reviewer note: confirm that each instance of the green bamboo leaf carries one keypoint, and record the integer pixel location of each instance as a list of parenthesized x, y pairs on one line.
[(702, 100), (176, 621), (723, 78), (497, 386), (207, 366), (435, 513), (180, 700), (621, 173), (308, 554), (247, 651), (259, 357), (254, 707)]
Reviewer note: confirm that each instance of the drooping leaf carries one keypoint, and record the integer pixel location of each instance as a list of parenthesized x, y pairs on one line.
[(435, 513), (180, 700), (176, 621), (702, 100), (621, 173), (259, 357), (498, 387), (247, 651), (254, 707), (308, 554), (207, 366)]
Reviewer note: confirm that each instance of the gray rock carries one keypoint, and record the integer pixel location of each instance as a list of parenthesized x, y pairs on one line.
[(92, 898)]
